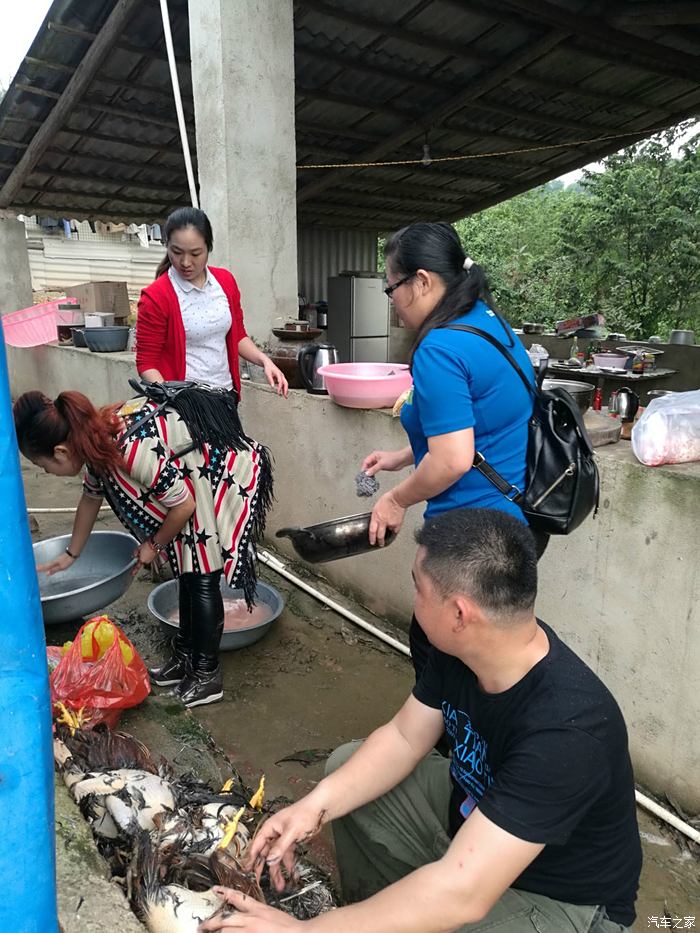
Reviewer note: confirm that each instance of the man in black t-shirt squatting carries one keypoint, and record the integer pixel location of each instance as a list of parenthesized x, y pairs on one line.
[(529, 826)]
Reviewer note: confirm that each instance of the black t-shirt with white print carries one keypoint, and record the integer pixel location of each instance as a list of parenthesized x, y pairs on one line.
[(548, 762)]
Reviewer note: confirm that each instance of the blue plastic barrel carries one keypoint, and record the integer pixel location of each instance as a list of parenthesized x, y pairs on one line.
[(27, 856)]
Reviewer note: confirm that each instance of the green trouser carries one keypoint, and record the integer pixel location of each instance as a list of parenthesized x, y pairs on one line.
[(387, 839)]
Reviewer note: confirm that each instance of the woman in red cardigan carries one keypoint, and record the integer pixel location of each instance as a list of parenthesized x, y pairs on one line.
[(190, 320)]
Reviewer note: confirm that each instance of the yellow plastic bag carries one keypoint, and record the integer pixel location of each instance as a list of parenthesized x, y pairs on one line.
[(98, 635)]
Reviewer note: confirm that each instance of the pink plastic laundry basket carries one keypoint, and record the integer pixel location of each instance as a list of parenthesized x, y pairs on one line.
[(33, 326)]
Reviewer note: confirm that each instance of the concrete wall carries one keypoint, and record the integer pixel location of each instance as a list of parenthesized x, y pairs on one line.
[(623, 590), (15, 279), (243, 85)]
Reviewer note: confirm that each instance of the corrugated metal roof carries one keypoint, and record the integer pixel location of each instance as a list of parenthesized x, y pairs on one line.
[(375, 81)]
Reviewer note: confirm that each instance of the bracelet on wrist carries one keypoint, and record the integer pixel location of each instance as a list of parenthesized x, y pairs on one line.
[(158, 548), (71, 554)]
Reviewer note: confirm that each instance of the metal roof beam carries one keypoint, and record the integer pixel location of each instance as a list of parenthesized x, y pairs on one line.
[(118, 180), (74, 90), (465, 53), (588, 154), (101, 197), (94, 107), (110, 82), (352, 64), (419, 121), (435, 169), (117, 163), (439, 114), (340, 210), (120, 44), (655, 14), (140, 144), (370, 188), (384, 28), (646, 54)]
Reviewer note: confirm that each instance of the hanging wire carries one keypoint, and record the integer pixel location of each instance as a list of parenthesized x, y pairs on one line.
[(478, 155)]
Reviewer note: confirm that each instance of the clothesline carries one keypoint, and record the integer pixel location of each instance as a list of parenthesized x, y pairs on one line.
[(84, 229)]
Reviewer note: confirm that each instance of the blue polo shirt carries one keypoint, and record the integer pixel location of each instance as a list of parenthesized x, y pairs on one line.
[(460, 381)]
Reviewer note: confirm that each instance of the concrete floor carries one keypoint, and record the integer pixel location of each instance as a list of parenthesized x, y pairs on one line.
[(312, 683)]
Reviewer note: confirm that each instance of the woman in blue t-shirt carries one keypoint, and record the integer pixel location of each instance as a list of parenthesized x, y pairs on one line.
[(465, 397)]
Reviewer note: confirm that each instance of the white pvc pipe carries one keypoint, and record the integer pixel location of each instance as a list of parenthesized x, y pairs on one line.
[(178, 102), (274, 564), (71, 509), (667, 816)]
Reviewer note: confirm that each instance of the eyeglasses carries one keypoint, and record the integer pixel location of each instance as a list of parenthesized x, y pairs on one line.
[(390, 289)]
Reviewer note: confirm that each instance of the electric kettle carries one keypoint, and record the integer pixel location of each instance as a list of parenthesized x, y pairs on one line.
[(627, 404), (310, 360)]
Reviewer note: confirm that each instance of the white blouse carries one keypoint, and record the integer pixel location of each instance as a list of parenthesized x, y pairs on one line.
[(206, 316)]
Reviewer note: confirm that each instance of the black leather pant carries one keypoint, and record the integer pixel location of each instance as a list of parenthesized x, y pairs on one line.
[(201, 619), (418, 640)]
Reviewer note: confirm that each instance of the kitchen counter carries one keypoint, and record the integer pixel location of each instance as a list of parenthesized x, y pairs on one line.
[(597, 373)]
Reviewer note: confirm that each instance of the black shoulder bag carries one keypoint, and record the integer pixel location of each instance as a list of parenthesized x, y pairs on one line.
[(561, 476)]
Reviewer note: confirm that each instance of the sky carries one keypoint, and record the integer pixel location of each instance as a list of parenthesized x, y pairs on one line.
[(17, 34)]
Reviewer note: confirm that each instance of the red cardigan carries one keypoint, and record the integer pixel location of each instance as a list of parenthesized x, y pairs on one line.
[(160, 333)]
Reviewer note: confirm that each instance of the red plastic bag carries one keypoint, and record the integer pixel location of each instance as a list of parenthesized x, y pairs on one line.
[(101, 674)]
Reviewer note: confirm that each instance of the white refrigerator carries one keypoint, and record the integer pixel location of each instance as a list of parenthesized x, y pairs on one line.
[(358, 317)]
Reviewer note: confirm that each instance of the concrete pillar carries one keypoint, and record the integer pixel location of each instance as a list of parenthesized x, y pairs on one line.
[(16, 291), (243, 83)]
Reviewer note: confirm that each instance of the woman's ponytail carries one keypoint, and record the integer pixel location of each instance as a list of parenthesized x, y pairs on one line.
[(437, 248), (163, 265)]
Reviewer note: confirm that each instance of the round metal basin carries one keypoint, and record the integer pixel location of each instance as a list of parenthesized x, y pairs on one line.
[(163, 603), (582, 392), (101, 575)]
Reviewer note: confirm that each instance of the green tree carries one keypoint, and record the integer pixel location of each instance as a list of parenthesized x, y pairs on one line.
[(637, 237), (624, 242)]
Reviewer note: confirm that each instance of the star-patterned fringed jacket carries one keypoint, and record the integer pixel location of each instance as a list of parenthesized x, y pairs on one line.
[(231, 490)]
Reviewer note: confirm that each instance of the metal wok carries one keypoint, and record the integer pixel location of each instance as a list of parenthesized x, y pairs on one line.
[(341, 537)]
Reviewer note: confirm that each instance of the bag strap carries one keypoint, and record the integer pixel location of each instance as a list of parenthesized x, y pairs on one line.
[(501, 349), (511, 492), (535, 392)]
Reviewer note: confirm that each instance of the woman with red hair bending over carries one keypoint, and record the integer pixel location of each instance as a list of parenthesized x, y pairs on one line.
[(185, 481)]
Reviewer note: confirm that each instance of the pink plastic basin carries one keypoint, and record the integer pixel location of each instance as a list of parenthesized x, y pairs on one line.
[(366, 385), (33, 326)]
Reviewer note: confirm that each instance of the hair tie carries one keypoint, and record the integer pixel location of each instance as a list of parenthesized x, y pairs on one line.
[(468, 263)]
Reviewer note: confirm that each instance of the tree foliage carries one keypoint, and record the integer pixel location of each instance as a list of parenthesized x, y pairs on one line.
[(624, 242)]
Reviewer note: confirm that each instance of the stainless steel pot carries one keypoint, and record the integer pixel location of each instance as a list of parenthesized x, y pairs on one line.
[(682, 336), (581, 392), (342, 537)]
